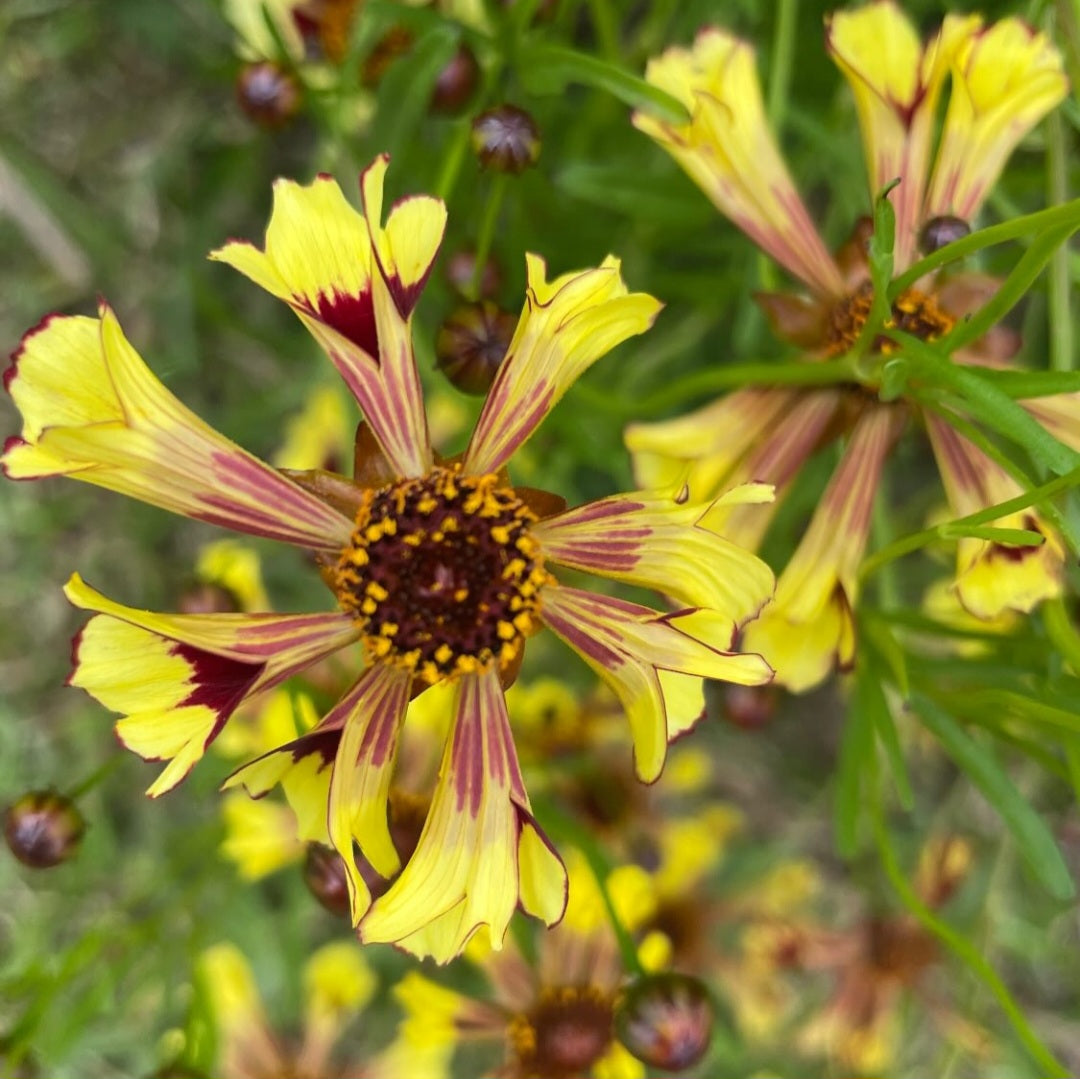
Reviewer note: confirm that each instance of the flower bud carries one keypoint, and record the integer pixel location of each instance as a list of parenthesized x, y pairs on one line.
[(43, 829), (666, 1020), (472, 343), (940, 231), (269, 95), (324, 874), (506, 139), (456, 82), (394, 43), (749, 707), (205, 598), (461, 269)]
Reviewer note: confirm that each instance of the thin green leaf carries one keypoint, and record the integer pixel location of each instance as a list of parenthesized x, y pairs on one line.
[(1069, 213), (1010, 537), (1034, 838), (856, 758), (963, 949), (872, 698), (547, 69), (988, 404)]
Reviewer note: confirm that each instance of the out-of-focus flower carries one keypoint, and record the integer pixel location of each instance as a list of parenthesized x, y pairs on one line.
[(43, 828), (878, 967), (440, 568), (552, 1018), (1004, 78), (268, 94), (337, 985)]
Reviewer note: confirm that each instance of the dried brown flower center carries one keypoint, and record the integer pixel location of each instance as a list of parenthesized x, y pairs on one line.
[(914, 312), (565, 1034), (442, 574)]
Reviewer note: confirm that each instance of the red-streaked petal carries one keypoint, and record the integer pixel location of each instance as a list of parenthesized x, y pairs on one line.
[(566, 325), (636, 650), (178, 678), (480, 851), (663, 544), (371, 715), (92, 410)]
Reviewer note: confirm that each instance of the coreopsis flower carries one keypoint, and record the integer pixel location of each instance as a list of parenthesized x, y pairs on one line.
[(877, 967), (1004, 78), (441, 569), (337, 985), (551, 1018)]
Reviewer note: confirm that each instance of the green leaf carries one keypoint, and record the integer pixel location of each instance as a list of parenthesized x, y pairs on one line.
[(547, 69), (856, 759), (1034, 838), (623, 188), (1010, 537)]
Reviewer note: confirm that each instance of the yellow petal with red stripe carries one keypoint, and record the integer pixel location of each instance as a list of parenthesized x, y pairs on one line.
[(93, 410), (481, 850), (566, 326), (728, 150)]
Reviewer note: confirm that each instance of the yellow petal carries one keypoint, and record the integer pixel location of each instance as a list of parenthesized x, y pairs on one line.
[(664, 543), (466, 871), (1005, 79), (260, 837), (637, 652), (565, 327), (92, 410), (896, 83), (728, 150)]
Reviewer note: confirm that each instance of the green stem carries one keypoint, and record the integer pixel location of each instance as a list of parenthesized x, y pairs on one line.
[(1067, 214), (962, 948), (714, 379), (563, 826), (907, 544), (1061, 327), (607, 30), (452, 161), (95, 777), (1014, 288), (780, 62), (487, 229), (1060, 630)]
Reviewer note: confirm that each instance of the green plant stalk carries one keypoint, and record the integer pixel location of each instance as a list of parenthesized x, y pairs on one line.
[(486, 234), (987, 404), (1067, 214), (781, 62), (1062, 340), (915, 540), (607, 30), (961, 947), (1060, 630), (563, 826), (1013, 289)]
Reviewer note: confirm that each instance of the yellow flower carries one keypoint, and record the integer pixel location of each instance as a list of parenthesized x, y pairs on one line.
[(337, 984), (1003, 79), (441, 570)]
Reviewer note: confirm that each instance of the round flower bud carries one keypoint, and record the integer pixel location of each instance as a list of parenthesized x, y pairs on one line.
[(472, 343), (666, 1020), (43, 829), (506, 139), (205, 598), (749, 707), (269, 95), (461, 269), (456, 82), (324, 874), (938, 232)]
